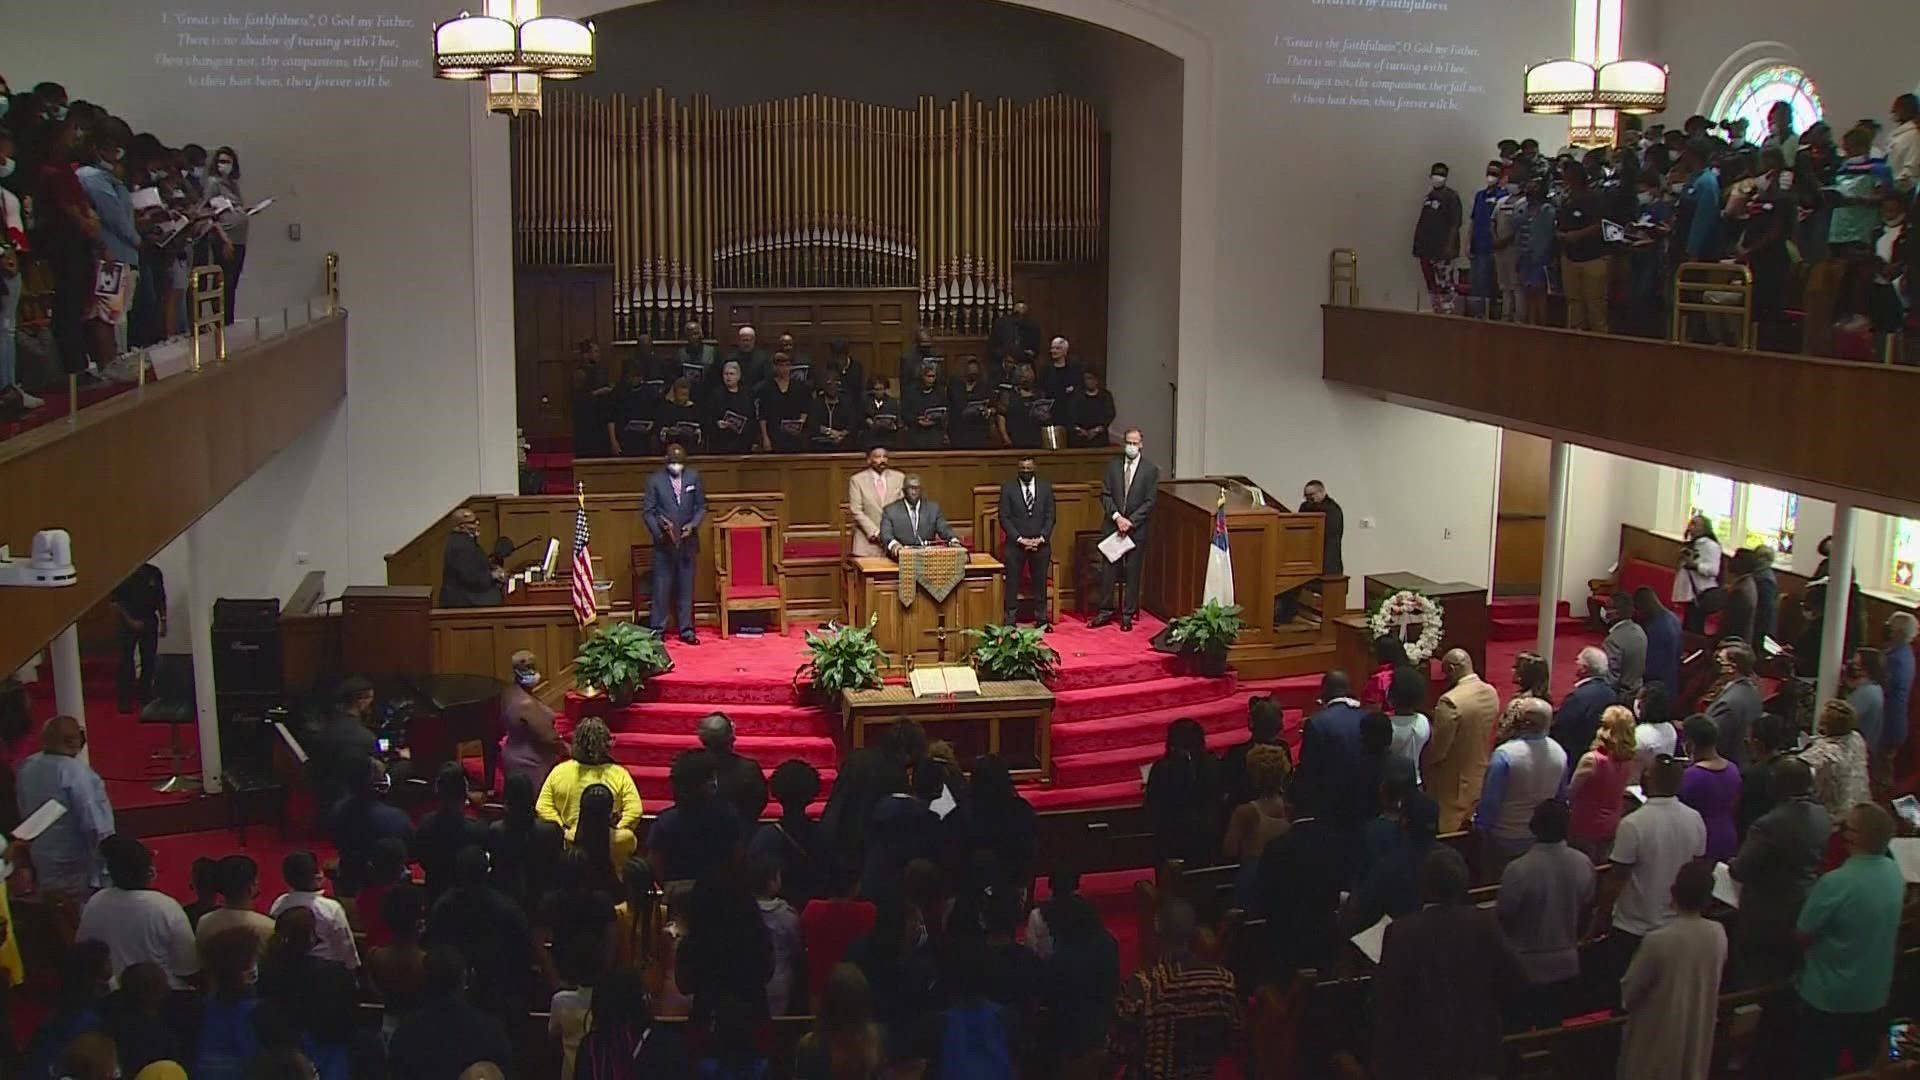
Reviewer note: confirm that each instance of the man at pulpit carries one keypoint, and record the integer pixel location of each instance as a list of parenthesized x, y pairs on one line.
[(914, 521), (467, 578)]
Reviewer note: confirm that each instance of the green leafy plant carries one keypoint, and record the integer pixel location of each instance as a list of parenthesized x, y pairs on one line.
[(618, 660), (1207, 633), (1010, 653), (842, 658)]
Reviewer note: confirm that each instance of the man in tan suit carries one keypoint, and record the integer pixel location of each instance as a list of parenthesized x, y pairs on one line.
[(868, 493), (1455, 759)]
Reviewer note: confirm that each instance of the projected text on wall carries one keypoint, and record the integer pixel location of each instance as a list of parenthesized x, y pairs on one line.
[(1390, 55), (288, 51)]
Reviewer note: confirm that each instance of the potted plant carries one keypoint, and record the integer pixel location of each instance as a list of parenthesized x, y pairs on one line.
[(1206, 634), (618, 660), (841, 658), (1011, 653)]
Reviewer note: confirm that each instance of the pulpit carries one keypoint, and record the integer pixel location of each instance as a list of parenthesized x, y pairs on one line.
[(927, 628)]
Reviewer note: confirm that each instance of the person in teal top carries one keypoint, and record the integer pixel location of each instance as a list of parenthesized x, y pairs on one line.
[(1849, 926)]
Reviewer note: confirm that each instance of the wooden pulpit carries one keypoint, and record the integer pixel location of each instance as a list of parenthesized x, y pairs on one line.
[(927, 630)]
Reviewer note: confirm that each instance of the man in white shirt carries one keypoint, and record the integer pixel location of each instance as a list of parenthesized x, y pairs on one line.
[(136, 923), (238, 878), (1903, 146), (333, 936), (1649, 849)]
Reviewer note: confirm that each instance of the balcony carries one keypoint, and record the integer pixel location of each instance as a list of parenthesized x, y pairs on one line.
[(1825, 428)]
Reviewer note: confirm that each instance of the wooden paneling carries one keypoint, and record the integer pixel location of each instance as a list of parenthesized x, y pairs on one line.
[(554, 308), (1524, 463), (878, 324), (913, 628), (1818, 427), (1068, 301), (383, 629), (482, 641), (132, 473), (1518, 544), (1076, 513)]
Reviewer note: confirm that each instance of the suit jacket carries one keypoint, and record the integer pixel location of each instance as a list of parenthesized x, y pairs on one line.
[(1135, 502), (1776, 866), (1626, 647), (1736, 618), (895, 524), (1454, 762), (1733, 713), (1453, 953), (659, 506), (864, 504), (466, 577), (1020, 522), (1331, 561), (1578, 717)]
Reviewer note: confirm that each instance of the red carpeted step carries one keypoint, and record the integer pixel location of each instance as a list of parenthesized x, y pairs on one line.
[(1528, 629), (1145, 728), (1149, 695), (1116, 766), (1528, 607), (677, 718), (1083, 670), (659, 748), (1084, 797), (1293, 692), (557, 482)]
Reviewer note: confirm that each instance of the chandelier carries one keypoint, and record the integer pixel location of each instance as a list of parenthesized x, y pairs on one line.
[(512, 46), (1595, 85)]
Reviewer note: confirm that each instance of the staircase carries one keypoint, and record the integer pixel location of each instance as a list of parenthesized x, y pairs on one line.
[(1517, 618)]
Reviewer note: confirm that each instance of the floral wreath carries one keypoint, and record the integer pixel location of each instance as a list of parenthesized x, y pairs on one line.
[(1401, 610)]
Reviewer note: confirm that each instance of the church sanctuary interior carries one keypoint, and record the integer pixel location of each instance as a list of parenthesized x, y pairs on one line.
[(959, 538)]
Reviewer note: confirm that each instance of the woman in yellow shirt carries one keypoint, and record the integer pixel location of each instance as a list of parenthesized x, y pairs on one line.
[(592, 763)]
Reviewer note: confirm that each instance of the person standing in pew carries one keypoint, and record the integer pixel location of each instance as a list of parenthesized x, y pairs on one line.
[(783, 410), (1089, 412), (916, 357), (831, 417), (755, 369), (695, 359), (1060, 375), (1544, 898), (924, 407), (879, 417), (1024, 411), (1015, 335), (630, 413), (1127, 495), (1027, 519), (674, 504), (970, 408), (733, 423), (678, 419), (467, 578), (840, 362), (802, 362)]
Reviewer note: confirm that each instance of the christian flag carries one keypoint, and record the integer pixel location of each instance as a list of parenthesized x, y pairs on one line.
[(1219, 585), (584, 611)]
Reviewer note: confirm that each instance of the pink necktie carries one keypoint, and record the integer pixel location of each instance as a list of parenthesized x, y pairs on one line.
[(676, 489)]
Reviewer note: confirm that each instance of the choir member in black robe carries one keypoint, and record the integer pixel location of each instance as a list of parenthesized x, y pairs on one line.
[(879, 417), (1089, 412), (679, 420), (970, 409), (783, 410), (802, 361), (1059, 376), (924, 407), (591, 403), (696, 360), (1025, 411), (632, 414), (833, 418), (840, 361), (1015, 337), (755, 366), (733, 417)]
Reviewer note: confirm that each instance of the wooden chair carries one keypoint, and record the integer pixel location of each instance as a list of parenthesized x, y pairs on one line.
[(749, 571)]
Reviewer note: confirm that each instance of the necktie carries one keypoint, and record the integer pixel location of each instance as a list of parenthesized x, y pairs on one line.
[(880, 487), (676, 489), (1127, 484), (1028, 488), (913, 515)]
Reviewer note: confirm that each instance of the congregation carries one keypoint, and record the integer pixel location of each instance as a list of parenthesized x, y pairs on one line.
[(100, 228), (1817, 213)]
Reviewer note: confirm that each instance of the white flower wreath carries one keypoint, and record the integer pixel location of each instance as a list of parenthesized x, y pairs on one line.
[(1404, 609)]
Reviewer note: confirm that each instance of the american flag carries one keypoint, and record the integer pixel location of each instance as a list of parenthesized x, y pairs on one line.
[(584, 611)]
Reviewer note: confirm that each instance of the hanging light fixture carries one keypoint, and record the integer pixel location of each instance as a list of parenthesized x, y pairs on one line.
[(512, 46), (1593, 86)]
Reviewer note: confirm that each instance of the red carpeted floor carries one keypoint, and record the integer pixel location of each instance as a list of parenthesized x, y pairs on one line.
[(129, 755)]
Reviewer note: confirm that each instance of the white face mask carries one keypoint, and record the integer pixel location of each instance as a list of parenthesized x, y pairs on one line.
[(224, 168), (675, 467), (1493, 180), (527, 679), (1438, 180), (1646, 198), (1132, 452)]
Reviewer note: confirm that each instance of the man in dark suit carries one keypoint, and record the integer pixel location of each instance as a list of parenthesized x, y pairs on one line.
[(756, 367), (1015, 336), (672, 508), (1775, 868), (1315, 500), (1026, 517), (467, 579), (1738, 705), (1579, 714), (1127, 496), (913, 522)]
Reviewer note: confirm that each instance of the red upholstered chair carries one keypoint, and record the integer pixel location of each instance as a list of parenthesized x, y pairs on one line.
[(749, 568)]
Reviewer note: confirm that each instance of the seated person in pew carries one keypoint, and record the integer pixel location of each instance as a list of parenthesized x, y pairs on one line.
[(879, 417), (733, 417), (832, 417), (1089, 412), (970, 408), (783, 409), (1024, 410), (631, 410), (678, 419), (925, 407)]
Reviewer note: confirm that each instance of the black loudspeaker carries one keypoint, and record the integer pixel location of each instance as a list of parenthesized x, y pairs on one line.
[(246, 647)]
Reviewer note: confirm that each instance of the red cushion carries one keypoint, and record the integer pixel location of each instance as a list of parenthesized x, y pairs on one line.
[(1637, 572), (748, 550), (753, 592)]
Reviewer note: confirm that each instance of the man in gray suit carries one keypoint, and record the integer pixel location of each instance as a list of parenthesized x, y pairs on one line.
[(1775, 868), (913, 522), (1738, 704), (1126, 496), (1626, 646)]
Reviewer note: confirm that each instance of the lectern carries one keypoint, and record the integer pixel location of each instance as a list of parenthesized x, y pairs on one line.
[(927, 630)]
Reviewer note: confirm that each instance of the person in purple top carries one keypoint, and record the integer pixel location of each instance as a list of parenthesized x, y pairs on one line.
[(1663, 639), (1712, 787)]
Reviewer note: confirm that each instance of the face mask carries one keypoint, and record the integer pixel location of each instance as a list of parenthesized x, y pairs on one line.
[(1132, 452), (675, 467), (58, 112), (7, 169), (199, 172), (527, 679), (5, 101), (1513, 189), (1493, 179), (1646, 198), (1025, 475), (1677, 188), (1438, 180)]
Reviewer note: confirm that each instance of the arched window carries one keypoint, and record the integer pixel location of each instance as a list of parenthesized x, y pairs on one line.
[(1750, 96)]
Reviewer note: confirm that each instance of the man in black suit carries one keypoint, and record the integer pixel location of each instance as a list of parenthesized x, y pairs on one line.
[(913, 522), (1015, 336), (1127, 498), (672, 508), (467, 579), (1026, 517)]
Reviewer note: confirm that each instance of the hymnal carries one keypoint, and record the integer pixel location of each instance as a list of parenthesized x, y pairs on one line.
[(886, 421), (1373, 939), (937, 414), (793, 427), (943, 680), (1725, 889), (37, 822), (733, 421)]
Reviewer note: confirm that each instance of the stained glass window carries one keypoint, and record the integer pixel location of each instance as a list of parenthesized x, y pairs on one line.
[(1906, 552), (1771, 518), (1712, 496), (1751, 97)]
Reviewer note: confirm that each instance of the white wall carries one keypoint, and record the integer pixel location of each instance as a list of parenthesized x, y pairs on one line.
[(379, 175)]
